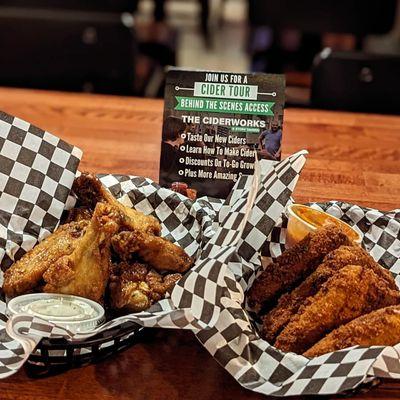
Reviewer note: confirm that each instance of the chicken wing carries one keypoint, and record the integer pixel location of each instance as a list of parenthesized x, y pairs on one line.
[(79, 214), (85, 271), (351, 292), (379, 328), (134, 287), (289, 303), (141, 232), (27, 273), (294, 265), (90, 191), (156, 251)]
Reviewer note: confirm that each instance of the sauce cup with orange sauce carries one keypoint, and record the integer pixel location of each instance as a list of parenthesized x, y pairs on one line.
[(304, 219)]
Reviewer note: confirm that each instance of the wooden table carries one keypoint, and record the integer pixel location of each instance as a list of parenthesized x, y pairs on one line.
[(353, 157)]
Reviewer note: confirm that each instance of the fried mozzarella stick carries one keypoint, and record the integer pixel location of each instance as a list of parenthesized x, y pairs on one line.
[(289, 303), (294, 265), (379, 328), (351, 292)]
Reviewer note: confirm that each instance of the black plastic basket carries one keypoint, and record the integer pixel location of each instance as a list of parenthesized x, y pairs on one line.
[(52, 356)]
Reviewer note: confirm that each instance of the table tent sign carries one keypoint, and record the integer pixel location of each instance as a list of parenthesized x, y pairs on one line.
[(216, 124)]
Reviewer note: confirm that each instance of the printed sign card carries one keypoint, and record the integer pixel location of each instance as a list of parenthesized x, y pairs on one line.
[(215, 125)]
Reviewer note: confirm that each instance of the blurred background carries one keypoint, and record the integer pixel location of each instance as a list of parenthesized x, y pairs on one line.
[(342, 54)]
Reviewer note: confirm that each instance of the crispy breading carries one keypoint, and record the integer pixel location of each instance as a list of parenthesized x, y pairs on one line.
[(294, 265), (378, 328), (76, 258), (139, 232), (27, 273), (352, 291), (86, 270), (90, 191), (135, 287), (289, 303), (156, 251), (79, 214)]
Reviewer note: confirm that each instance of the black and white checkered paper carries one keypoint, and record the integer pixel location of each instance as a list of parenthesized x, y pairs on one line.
[(37, 170), (227, 239), (235, 344)]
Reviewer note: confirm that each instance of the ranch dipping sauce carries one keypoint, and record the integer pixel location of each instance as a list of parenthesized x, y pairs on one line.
[(74, 313)]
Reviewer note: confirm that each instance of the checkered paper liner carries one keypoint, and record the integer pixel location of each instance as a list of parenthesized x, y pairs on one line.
[(37, 170), (235, 344), (208, 229)]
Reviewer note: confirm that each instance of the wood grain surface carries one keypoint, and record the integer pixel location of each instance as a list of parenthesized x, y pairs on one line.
[(353, 157)]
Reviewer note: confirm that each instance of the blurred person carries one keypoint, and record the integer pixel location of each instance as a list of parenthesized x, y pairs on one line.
[(159, 10), (173, 129), (388, 43), (160, 14), (172, 139), (270, 142)]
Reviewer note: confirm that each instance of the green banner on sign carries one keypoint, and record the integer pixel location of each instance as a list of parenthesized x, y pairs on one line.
[(226, 106)]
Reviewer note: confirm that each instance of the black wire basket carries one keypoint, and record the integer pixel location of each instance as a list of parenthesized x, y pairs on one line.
[(53, 356)]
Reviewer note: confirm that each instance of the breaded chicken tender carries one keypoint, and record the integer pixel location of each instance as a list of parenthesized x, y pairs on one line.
[(378, 328), (351, 292), (294, 265), (289, 303)]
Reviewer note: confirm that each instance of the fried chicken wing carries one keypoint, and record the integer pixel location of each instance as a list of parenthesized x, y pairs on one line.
[(27, 273), (76, 258), (140, 233), (289, 303), (352, 291), (79, 214), (294, 265), (156, 251), (378, 328), (134, 287), (90, 191), (85, 271)]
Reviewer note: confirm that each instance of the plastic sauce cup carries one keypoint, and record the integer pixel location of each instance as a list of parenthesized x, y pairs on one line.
[(74, 313), (303, 219)]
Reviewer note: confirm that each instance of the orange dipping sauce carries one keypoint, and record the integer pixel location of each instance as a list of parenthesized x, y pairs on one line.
[(304, 219)]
